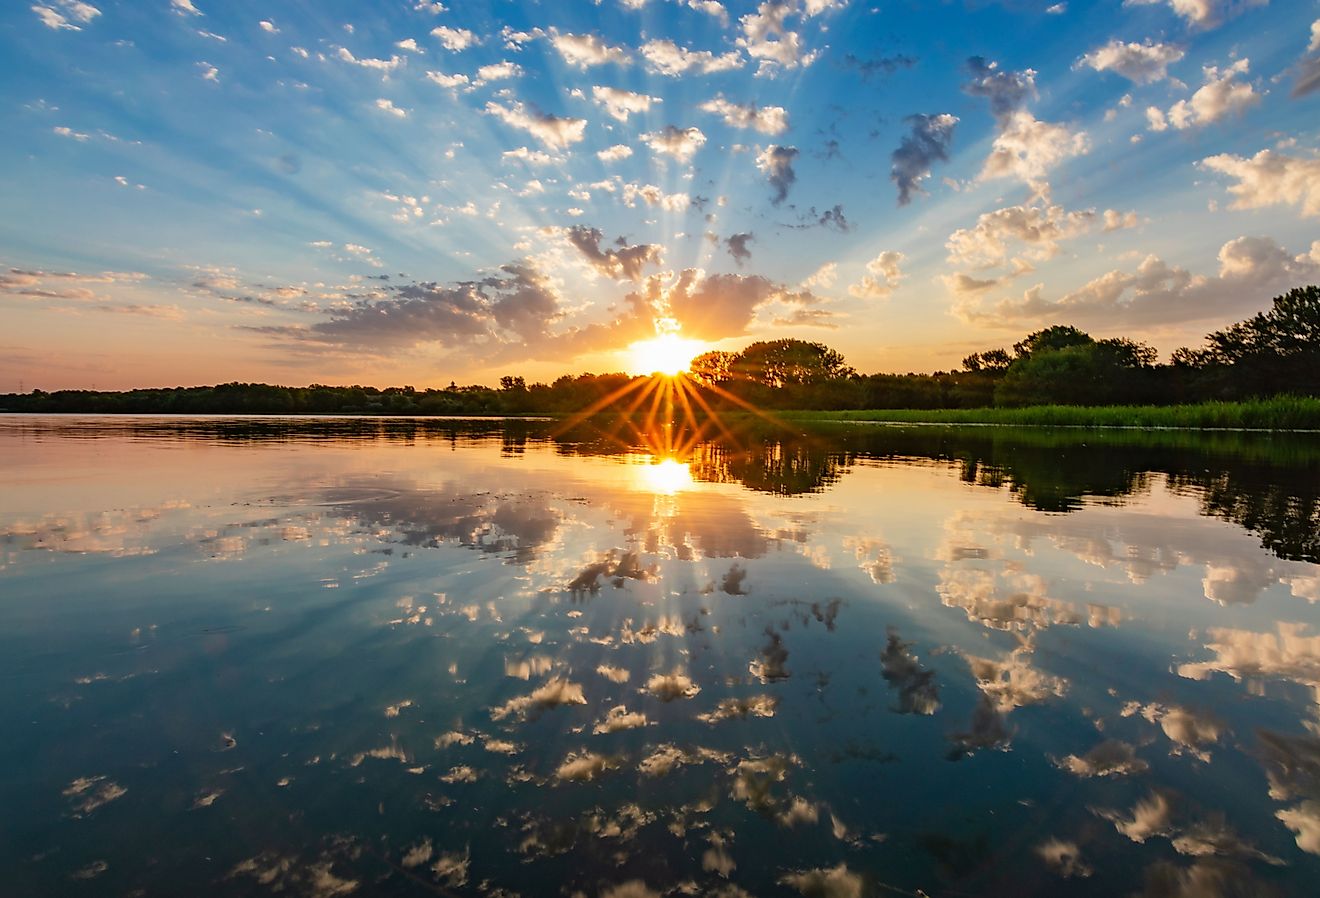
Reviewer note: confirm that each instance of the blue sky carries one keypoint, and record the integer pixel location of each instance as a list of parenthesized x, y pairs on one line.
[(412, 192)]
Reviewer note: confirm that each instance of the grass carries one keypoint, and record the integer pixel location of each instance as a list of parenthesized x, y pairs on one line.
[(1278, 413)]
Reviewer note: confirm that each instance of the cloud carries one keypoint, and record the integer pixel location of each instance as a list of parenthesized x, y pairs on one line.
[(614, 153), (711, 307), (766, 36), (879, 66), (1202, 13), (1271, 179), (209, 72), (1027, 149), (586, 50), (927, 143), (555, 693), (1308, 68), (531, 157), (824, 276), (39, 284), (654, 196), (1113, 757), (620, 104), (498, 71), (552, 130), (681, 143), (918, 693), (185, 7), (1220, 96), (1007, 91), (667, 58), (776, 163), (770, 120), (668, 687), (450, 81), (1251, 269), (883, 276), (1139, 63), (627, 262), (384, 66), (1038, 227), (454, 39), (834, 882), (72, 10), (388, 106), (737, 247), (1064, 858)]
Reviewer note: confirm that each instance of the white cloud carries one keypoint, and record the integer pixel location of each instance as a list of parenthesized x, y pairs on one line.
[(667, 58), (498, 71), (1139, 63), (73, 9), (1039, 228), (766, 36), (884, 273), (586, 50), (209, 72), (185, 7), (554, 131), (409, 44), (268, 26), (384, 66), (654, 196), (1221, 95), (615, 153), (1251, 270), (388, 106), (531, 157), (620, 104), (450, 81), (455, 39), (1028, 149), (1269, 179), (823, 277), (766, 119), (681, 143), (1202, 13), (66, 131)]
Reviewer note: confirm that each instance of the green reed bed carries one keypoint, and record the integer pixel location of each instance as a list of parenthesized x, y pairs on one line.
[(1278, 413)]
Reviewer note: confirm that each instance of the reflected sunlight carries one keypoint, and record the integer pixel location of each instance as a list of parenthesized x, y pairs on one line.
[(667, 476), (667, 354)]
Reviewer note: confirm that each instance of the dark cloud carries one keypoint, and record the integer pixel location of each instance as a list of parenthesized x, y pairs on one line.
[(1308, 76), (626, 262), (776, 163), (928, 143), (882, 66), (918, 693), (1007, 91), (737, 247)]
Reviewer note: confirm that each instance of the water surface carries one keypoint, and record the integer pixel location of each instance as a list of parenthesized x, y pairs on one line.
[(396, 657)]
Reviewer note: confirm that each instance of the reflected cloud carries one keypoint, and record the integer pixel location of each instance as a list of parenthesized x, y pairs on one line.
[(555, 693), (834, 882), (585, 766), (1113, 757), (918, 693), (741, 709), (668, 687), (88, 793), (1064, 858)]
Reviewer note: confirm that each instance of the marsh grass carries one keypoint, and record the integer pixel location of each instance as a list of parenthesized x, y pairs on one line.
[(1278, 413)]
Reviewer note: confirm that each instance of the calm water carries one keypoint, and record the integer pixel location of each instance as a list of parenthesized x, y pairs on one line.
[(245, 657)]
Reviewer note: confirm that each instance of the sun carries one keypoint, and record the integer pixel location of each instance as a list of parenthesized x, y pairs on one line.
[(667, 354)]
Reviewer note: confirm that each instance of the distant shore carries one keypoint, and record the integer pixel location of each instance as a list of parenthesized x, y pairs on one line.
[(1279, 413)]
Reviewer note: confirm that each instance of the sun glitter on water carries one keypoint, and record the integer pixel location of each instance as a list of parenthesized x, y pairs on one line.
[(668, 354), (665, 476)]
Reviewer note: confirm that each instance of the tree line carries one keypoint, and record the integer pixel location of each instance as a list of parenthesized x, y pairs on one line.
[(1274, 352)]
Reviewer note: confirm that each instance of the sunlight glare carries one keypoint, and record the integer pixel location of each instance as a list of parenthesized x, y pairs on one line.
[(667, 354), (666, 477)]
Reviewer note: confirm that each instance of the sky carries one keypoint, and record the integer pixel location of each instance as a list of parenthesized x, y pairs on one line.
[(417, 193)]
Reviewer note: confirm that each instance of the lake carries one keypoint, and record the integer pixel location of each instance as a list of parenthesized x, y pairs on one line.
[(359, 656)]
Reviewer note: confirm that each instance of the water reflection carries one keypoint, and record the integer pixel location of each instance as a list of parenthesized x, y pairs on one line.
[(394, 657)]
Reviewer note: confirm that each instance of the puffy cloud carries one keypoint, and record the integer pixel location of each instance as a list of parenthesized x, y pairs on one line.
[(1150, 817), (388, 106), (498, 71), (615, 153), (766, 37), (668, 58), (766, 119), (1119, 221), (586, 50), (1039, 228), (884, 273), (1027, 149), (824, 276), (681, 143), (668, 687), (384, 66), (455, 39), (1221, 95), (1064, 858), (619, 718), (620, 104), (1112, 757), (1007, 91), (185, 7), (918, 693), (776, 163), (531, 157), (654, 196), (1251, 269), (927, 143), (711, 307), (1270, 178), (626, 262), (835, 882), (450, 81), (554, 131), (1287, 654), (1140, 63), (1202, 13), (555, 693)]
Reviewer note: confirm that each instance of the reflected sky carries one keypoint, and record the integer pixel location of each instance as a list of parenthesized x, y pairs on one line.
[(359, 657)]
